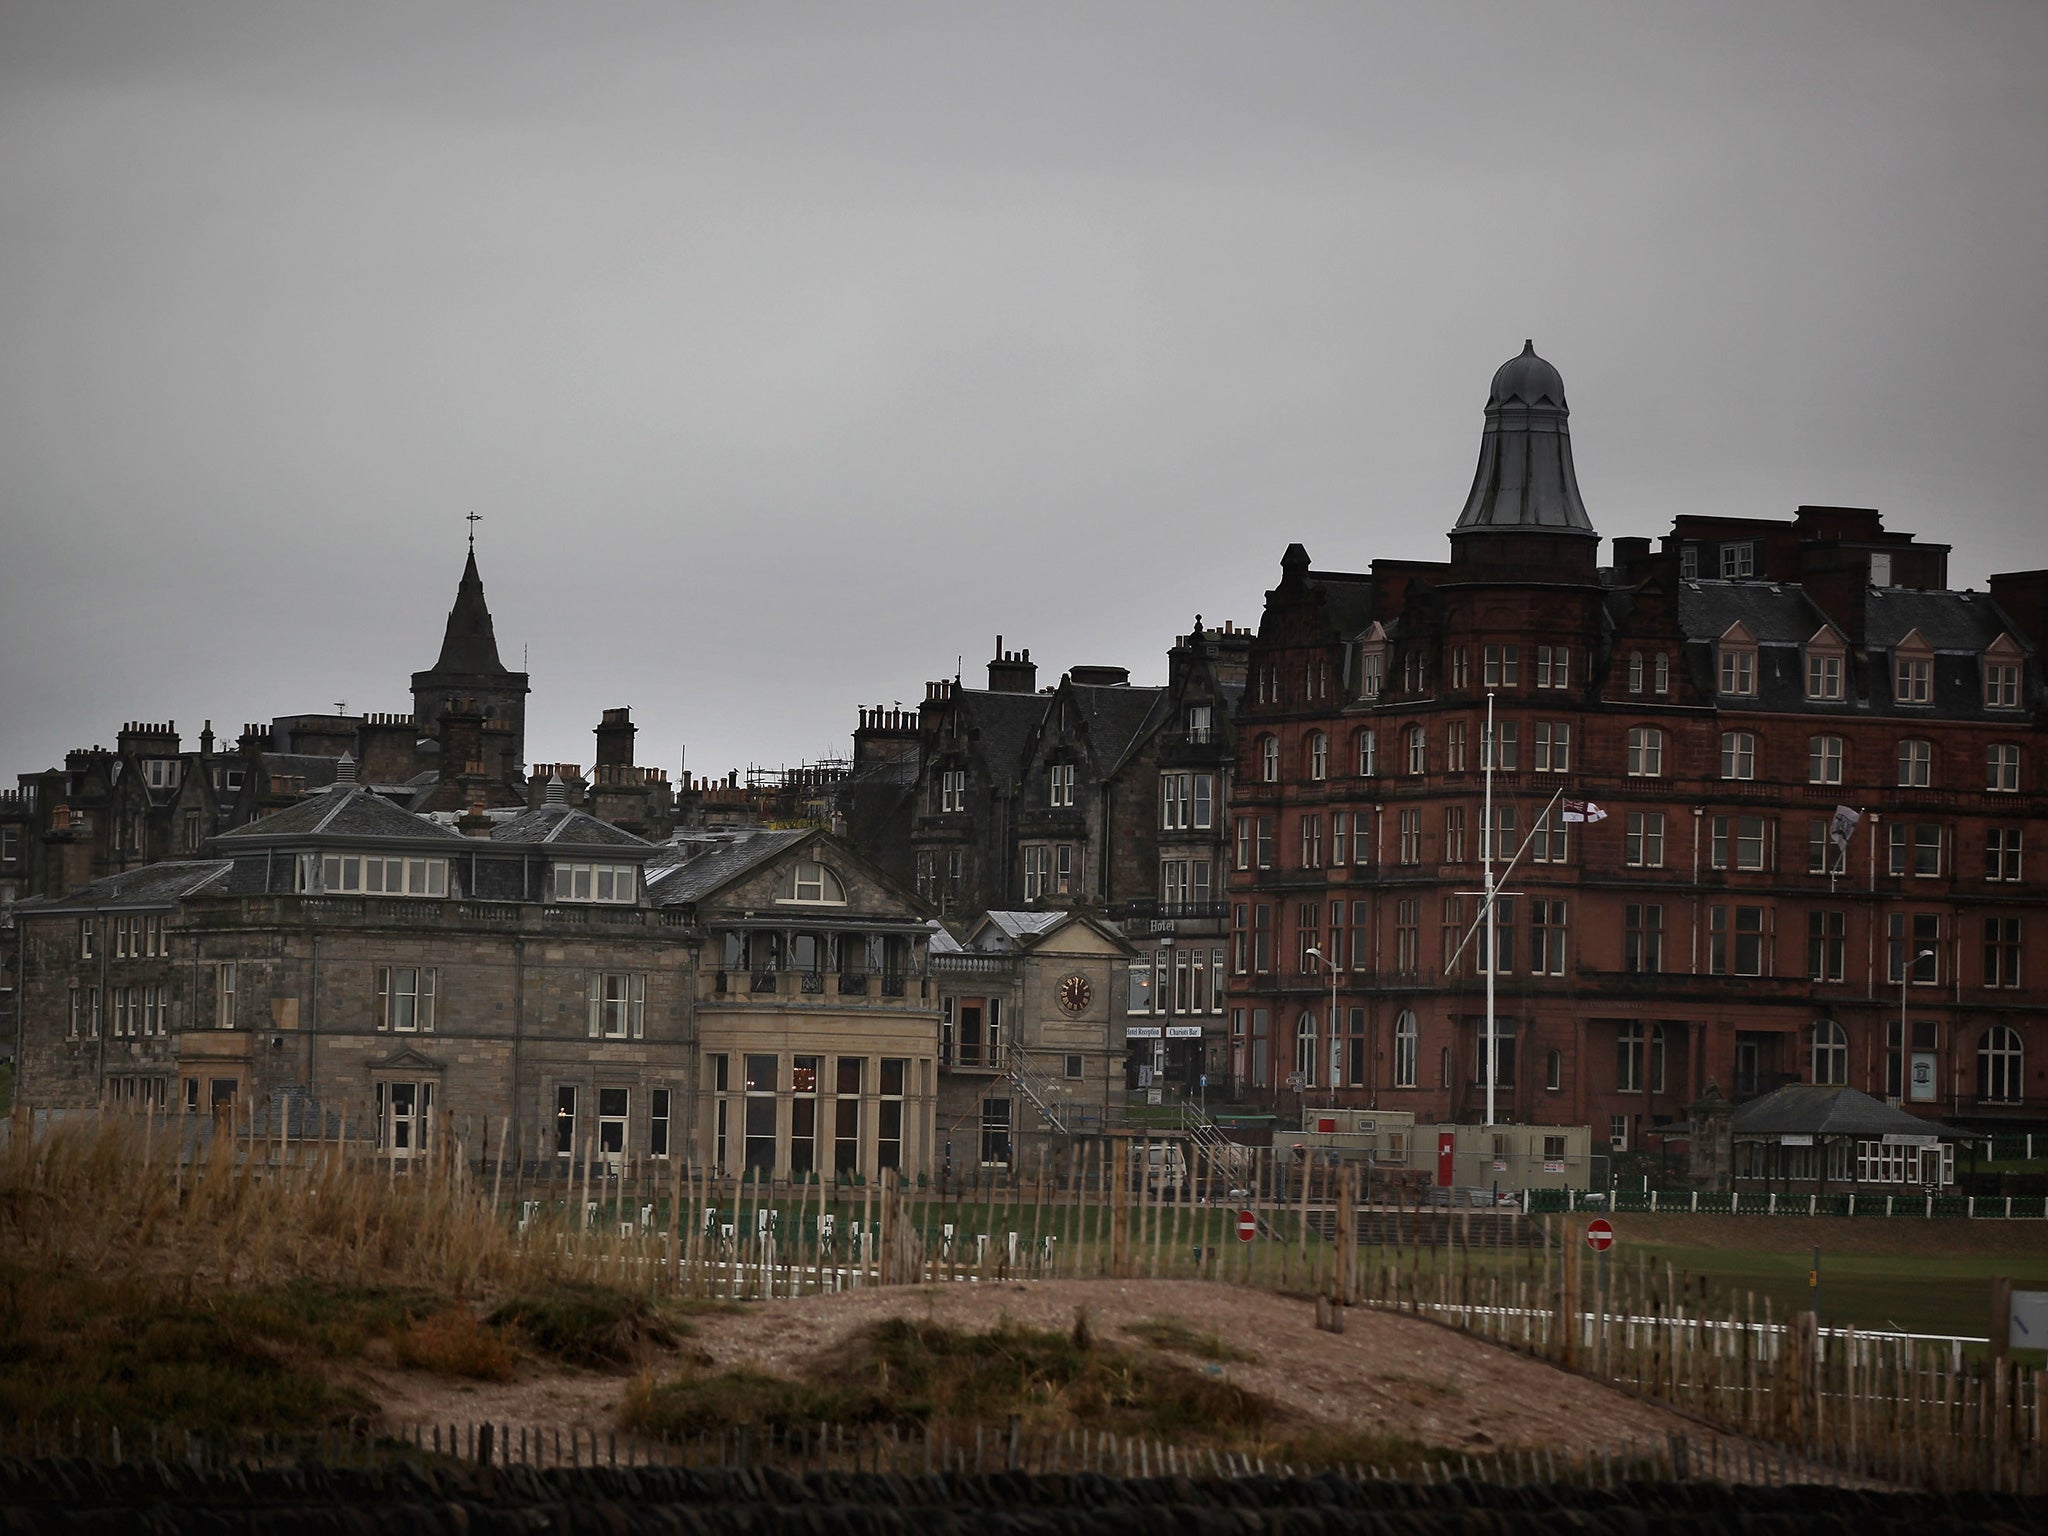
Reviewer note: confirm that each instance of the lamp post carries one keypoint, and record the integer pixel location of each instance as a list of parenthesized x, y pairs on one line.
[(1323, 961), (1905, 1041)]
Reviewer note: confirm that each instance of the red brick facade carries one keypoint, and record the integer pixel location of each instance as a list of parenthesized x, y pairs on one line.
[(1695, 934)]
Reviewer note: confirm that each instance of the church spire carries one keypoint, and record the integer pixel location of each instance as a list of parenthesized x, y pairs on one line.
[(470, 645)]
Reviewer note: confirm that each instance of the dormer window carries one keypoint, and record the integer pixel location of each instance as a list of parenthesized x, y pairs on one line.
[(1372, 663), (949, 790), (1663, 673), (1688, 562), (161, 772), (617, 883), (1825, 654), (1060, 789), (1635, 671), (351, 874), (1414, 674), (1738, 663), (2002, 671), (1201, 723), (1738, 560), (810, 881), (1913, 671)]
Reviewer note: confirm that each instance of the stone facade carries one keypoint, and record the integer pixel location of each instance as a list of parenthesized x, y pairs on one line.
[(549, 983)]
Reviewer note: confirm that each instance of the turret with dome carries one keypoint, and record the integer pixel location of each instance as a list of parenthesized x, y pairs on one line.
[(1524, 516)]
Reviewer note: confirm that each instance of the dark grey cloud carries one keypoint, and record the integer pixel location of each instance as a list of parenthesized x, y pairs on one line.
[(791, 352)]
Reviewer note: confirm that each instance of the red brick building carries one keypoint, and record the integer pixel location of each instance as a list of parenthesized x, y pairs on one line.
[(1718, 698)]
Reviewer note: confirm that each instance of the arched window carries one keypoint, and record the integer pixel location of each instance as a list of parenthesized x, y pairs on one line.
[(810, 881), (1318, 755), (1418, 749), (1404, 1050), (1553, 1070), (1269, 759), (2000, 1060), (1830, 1052), (1443, 1067), (1368, 754), (1305, 1049)]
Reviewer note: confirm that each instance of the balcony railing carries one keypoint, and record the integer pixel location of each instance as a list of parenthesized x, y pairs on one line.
[(814, 982), (765, 981), (970, 965), (894, 986), (853, 984)]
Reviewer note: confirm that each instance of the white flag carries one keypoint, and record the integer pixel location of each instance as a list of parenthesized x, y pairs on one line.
[(1844, 826)]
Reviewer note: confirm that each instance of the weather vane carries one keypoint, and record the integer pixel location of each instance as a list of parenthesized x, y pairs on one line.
[(473, 519)]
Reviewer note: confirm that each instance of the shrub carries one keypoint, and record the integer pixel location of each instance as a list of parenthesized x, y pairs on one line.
[(453, 1343), (588, 1325)]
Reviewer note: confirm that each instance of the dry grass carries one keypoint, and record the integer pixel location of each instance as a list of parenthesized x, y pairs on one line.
[(912, 1373), (214, 1292)]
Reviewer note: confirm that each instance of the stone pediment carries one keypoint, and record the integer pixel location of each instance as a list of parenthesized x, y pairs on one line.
[(408, 1059)]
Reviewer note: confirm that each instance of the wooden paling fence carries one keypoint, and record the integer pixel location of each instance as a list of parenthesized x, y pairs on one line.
[(1875, 1405), (803, 1450)]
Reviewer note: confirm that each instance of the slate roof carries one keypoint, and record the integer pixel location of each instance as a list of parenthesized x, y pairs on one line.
[(153, 885), (1949, 621), (1005, 722), (470, 644), (673, 883), (1777, 613), (345, 811), (1347, 600), (1020, 927), (565, 826), (1115, 715), (1822, 1109)]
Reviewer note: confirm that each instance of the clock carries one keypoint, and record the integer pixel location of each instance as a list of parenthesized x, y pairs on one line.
[(1075, 994)]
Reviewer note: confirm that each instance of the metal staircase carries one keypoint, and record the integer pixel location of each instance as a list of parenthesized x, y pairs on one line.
[(1207, 1138), (1041, 1090)]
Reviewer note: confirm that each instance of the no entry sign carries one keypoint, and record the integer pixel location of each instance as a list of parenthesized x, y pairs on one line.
[(1247, 1226), (1599, 1234)]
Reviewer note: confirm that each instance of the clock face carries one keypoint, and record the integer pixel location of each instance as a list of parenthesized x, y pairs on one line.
[(1075, 993)]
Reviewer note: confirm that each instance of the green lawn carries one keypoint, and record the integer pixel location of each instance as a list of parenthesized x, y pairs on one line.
[(1947, 1293)]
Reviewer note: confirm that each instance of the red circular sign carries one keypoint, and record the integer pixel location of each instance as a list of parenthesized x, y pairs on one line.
[(1599, 1234), (1247, 1226)]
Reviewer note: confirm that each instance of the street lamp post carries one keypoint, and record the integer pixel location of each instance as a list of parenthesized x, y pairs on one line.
[(1323, 961), (1905, 1040)]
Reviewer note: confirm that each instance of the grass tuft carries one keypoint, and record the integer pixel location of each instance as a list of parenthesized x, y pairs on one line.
[(912, 1372), (589, 1325), (1168, 1333)]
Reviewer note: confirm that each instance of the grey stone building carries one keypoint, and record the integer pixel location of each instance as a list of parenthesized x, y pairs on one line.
[(1094, 796), (553, 984)]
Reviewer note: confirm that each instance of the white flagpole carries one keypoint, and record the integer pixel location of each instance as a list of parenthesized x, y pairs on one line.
[(1492, 955)]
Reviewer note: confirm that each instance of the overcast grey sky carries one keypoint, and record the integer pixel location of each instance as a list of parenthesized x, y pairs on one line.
[(790, 352)]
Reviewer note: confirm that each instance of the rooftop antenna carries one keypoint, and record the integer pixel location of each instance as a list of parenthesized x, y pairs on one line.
[(341, 706), (473, 519)]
